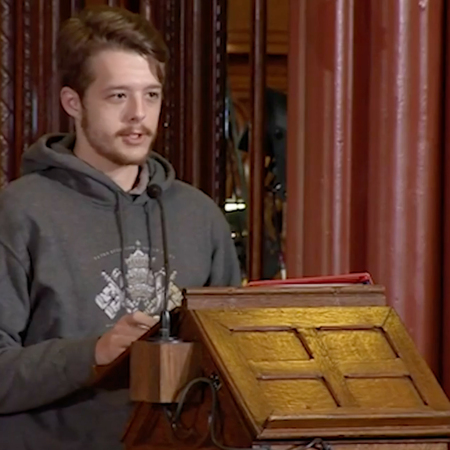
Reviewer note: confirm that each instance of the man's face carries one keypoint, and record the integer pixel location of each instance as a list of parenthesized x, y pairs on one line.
[(121, 107)]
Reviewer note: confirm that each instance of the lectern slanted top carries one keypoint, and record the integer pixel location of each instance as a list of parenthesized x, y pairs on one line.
[(288, 372)]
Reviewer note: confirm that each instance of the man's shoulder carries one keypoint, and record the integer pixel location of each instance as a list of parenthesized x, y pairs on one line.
[(192, 203), (184, 192), (22, 192)]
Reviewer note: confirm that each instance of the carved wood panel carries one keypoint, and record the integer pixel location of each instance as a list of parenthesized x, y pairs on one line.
[(7, 88), (193, 115), (29, 96)]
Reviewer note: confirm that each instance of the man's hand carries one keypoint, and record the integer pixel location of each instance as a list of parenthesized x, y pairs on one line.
[(126, 331)]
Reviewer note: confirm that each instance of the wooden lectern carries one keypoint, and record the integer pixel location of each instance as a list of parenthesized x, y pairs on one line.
[(290, 368)]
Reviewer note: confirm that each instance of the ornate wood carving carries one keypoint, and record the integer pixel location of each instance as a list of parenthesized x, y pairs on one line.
[(166, 16), (23, 128), (32, 97), (218, 79), (6, 88)]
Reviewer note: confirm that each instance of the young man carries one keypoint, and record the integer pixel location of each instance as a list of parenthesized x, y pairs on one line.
[(82, 271)]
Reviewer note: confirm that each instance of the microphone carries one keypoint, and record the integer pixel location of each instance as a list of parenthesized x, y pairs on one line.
[(154, 191)]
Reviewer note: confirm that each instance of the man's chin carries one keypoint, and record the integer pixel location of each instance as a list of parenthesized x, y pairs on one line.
[(132, 161), (127, 158)]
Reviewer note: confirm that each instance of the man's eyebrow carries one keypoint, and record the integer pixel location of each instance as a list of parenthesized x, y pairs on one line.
[(122, 87)]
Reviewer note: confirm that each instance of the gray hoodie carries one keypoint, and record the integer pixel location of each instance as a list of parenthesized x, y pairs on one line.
[(76, 253)]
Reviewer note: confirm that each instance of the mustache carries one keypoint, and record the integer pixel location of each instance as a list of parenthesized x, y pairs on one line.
[(138, 130)]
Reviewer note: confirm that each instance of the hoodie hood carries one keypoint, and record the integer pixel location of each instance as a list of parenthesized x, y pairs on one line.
[(52, 156)]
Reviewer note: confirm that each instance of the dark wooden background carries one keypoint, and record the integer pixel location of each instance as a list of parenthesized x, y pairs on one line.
[(368, 132)]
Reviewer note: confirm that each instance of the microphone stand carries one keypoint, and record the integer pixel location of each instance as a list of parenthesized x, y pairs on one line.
[(161, 367), (154, 191)]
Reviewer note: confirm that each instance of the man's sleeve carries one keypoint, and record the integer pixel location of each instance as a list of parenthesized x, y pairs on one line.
[(38, 374)]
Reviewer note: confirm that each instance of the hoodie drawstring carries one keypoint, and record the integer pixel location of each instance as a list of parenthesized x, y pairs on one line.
[(121, 225), (122, 234), (149, 238)]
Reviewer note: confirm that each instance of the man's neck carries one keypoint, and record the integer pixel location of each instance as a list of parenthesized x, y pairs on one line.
[(124, 176)]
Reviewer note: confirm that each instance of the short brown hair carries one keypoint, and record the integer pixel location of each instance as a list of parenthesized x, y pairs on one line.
[(102, 28)]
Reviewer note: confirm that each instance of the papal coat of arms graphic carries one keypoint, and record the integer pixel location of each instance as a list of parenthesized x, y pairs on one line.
[(144, 290)]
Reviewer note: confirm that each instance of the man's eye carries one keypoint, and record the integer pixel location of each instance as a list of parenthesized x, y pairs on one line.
[(118, 96), (154, 95)]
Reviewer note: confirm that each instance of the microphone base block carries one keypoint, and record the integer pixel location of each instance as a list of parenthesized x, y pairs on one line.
[(160, 369)]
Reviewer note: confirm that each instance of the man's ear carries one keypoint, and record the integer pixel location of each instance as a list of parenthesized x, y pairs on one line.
[(71, 102)]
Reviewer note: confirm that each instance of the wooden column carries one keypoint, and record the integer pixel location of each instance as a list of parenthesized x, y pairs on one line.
[(194, 86), (321, 59), (364, 157), (445, 344), (257, 138), (404, 197)]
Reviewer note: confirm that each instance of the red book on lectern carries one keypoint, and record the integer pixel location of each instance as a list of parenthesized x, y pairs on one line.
[(350, 278)]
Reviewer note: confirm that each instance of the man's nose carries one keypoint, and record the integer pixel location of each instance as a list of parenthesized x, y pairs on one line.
[(137, 110)]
